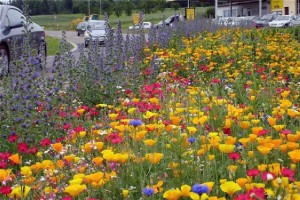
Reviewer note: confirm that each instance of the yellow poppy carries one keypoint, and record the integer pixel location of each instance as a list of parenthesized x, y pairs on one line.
[(75, 190)]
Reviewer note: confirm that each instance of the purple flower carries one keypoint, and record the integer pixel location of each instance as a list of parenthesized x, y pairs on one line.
[(200, 188), (192, 140), (136, 122), (148, 191)]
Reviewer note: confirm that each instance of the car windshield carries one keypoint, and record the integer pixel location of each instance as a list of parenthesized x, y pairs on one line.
[(282, 17), (266, 17), (97, 26)]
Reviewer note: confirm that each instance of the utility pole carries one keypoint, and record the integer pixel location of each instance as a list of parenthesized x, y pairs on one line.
[(100, 7), (216, 9), (188, 3), (260, 8), (89, 7)]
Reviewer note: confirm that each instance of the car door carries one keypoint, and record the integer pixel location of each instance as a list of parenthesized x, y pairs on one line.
[(14, 32)]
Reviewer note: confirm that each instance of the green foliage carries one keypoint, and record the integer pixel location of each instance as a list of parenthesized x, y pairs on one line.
[(210, 13)]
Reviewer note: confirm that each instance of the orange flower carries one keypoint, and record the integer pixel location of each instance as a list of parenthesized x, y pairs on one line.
[(292, 145), (175, 120), (265, 149), (97, 160), (57, 147), (149, 142), (255, 130), (245, 124), (295, 155), (15, 158), (272, 121), (99, 145), (154, 158)]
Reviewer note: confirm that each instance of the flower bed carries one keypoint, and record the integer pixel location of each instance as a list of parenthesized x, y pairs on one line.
[(221, 121)]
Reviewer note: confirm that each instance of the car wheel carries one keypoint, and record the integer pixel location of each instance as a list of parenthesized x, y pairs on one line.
[(4, 61), (78, 34)]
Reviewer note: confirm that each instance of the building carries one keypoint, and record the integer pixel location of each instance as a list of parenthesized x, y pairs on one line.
[(235, 8)]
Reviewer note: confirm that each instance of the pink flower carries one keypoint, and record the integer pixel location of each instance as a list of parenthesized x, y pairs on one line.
[(215, 80), (252, 172), (22, 147), (234, 156), (286, 172), (45, 142), (262, 132), (12, 138), (114, 138), (267, 176), (257, 193), (286, 132)]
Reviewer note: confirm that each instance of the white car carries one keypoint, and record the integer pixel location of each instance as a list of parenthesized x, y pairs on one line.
[(282, 21), (296, 22), (145, 25)]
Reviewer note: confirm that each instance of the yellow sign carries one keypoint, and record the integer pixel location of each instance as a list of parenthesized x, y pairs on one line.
[(136, 18), (190, 13), (276, 4)]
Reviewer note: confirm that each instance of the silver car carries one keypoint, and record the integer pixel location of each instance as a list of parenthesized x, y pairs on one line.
[(96, 32), (12, 35), (296, 22)]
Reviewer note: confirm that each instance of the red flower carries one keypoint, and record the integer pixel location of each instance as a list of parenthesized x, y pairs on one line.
[(5, 190), (257, 193), (286, 172), (12, 138), (252, 172), (33, 150), (215, 80), (286, 132), (66, 126), (78, 129), (115, 138), (267, 176), (45, 142), (262, 132), (22, 147), (227, 131), (234, 156), (3, 164), (67, 198), (4, 155)]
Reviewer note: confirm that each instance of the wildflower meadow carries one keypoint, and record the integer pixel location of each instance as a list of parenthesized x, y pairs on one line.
[(193, 111)]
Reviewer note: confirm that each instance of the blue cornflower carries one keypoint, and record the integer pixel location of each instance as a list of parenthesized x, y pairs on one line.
[(136, 122), (148, 191), (192, 140), (200, 188)]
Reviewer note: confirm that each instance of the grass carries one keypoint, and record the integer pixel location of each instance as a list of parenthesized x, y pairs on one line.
[(63, 22), (53, 45)]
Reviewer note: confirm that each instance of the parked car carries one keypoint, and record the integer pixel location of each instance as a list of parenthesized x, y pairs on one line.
[(96, 31), (81, 27), (282, 21), (12, 34), (224, 21), (264, 20), (145, 25), (296, 22), (169, 21)]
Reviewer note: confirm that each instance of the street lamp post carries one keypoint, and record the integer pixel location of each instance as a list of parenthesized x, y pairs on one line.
[(188, 3), (100, 7)]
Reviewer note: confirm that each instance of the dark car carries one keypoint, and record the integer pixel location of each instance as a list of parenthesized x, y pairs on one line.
[(12, 36), (81, 27), (264, 20), (169, 21), (96, 31)]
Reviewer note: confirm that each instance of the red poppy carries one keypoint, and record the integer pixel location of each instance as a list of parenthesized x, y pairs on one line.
[(12, 138), (252, 172), (234, 156), (215, 80), (5, 190), (45, 142), (22, 147), (78, 129)]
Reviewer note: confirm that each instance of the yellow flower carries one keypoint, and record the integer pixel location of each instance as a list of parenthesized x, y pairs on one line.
[(185, 189), (226, 148), (125, 193), (294, 155), (20, 192), (245, 124), (149, 142), (26, 171), (192, 130), (271, 121), (230, 187), (172, 194), (149, 114), (154, 158), (75, 190), (98, 160), (278, 127)]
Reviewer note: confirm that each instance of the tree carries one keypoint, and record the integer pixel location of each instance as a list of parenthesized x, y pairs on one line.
[(128, 8), (68, 5), (175, 5)]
